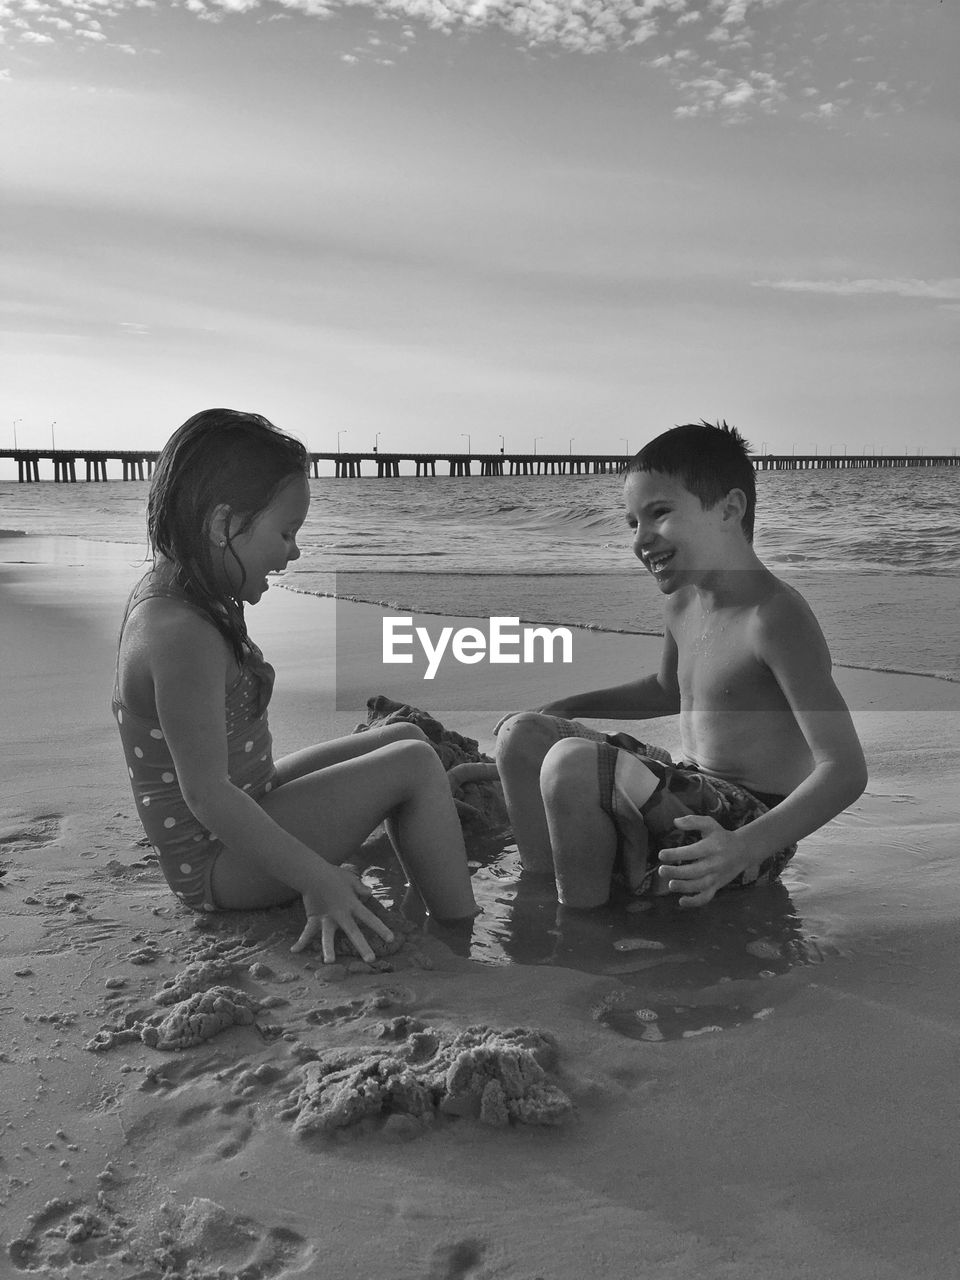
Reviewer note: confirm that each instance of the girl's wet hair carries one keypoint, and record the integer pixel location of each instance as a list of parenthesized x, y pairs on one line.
[(707, 458), (219, 457)]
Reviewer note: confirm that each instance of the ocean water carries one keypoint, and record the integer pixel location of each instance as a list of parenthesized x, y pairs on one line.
[(877, 553)]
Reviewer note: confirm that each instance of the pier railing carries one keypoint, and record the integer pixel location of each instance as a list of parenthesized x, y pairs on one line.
[(138, 464)]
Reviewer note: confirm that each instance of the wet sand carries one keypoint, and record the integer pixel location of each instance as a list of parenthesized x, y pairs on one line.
[(792, 1114)]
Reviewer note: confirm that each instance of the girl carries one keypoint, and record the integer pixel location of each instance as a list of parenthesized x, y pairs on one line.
[(233, 828)]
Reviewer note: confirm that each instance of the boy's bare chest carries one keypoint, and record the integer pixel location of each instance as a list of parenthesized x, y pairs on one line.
[(716, 665)]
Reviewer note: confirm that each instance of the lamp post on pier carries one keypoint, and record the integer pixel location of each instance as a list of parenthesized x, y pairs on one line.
[(502, 444), (53, 442), (570, 446), (465, 435), (376, 442), (15, 421), (626, 444), (535, 439), (342, 432)]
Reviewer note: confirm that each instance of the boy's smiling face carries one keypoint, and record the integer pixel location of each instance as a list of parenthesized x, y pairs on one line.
[(676, 538)]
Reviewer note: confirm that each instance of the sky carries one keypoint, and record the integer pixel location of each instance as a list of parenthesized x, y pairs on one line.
[(552, 225)]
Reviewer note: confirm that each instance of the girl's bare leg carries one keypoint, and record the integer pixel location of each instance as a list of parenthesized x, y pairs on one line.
[(310, 759), (321, 756), (334, 808)]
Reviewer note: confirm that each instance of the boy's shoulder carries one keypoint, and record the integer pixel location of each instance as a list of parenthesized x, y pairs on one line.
[(764, 602), (778, 601), (783, 623)]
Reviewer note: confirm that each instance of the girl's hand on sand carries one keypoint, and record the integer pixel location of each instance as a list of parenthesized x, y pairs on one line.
[(336, 905), (697, 871)]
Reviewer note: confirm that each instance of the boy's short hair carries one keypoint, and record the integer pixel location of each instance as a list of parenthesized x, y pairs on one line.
[(708, 458)]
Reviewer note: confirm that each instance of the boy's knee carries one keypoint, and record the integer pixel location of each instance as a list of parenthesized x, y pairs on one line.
[(569, 770), (525, 738)]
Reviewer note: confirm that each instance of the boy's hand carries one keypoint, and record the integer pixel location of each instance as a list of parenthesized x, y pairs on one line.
[(697, 871)]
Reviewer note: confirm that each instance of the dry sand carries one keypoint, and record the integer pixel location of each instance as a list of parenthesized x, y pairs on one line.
[(815, 1136)]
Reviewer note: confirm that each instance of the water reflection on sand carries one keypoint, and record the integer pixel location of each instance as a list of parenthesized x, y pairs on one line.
[(679, 973)]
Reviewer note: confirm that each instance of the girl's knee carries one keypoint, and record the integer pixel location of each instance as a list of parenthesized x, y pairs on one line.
[(402, 731), (418, 757)]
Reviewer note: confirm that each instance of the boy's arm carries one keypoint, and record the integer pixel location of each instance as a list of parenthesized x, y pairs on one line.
[(790, 643), (644, 699)]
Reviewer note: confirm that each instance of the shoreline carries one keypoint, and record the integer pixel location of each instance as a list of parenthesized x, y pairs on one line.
[(596, 627), (51, 544)]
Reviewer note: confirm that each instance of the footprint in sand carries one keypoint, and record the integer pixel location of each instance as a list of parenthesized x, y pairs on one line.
[(206, 1235), (200, 1238), (383, 999), (210, 1131), (456, 1261), (39, 832)]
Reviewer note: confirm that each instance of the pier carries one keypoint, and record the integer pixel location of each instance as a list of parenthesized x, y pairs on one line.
[(138, 464)]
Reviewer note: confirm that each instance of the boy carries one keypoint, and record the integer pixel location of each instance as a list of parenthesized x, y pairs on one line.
[(770, 752)]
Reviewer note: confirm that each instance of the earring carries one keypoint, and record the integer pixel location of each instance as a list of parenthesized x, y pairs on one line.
[(222, 543)]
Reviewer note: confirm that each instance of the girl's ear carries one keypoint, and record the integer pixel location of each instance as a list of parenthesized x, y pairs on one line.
[(218, 526)]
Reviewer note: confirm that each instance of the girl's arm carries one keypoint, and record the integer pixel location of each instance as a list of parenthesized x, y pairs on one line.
[(190, 664)]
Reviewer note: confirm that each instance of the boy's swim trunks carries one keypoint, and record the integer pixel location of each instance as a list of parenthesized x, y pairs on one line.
[(645, 830)]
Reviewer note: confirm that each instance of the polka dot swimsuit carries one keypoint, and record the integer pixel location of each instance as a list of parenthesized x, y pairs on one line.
[(187, 851)]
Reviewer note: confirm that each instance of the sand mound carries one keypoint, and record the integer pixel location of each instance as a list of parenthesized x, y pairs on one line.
[(479, 794), (496, 1077)]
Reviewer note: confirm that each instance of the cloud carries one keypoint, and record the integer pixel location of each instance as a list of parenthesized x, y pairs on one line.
[(935, 290), (745, 57), (723, 94), (740, 94)]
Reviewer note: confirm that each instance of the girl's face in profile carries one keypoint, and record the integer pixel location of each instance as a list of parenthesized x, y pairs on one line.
[(269, 543)]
